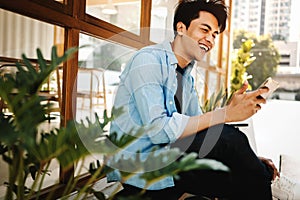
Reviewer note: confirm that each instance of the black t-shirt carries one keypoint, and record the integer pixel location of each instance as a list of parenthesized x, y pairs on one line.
[(178, 95)]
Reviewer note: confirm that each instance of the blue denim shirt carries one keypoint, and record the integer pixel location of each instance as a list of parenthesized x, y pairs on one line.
[(146, 94)]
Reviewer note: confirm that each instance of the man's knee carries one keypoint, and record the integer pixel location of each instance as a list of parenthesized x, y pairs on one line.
[(224, 141), (233, 135)]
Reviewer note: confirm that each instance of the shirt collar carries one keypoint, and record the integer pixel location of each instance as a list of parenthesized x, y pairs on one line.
[(172, 58), (166, 45)]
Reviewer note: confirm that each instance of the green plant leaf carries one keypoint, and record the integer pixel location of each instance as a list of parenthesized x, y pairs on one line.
[(173, 166), (20, 143)]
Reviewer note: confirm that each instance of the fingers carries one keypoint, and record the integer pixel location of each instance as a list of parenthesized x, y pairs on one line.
[(271, 165), (260, 91), (250, 101), (256, 98), (260, 100), (276, 174), (243, 88), (257, 107), (274, 169)]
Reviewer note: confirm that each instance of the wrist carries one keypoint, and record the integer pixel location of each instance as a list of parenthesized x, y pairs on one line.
[(219, 116), (226, 114)]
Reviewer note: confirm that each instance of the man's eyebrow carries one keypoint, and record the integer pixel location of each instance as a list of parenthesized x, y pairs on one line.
[(209, 27)]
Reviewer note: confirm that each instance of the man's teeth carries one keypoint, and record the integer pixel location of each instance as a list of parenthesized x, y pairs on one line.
[(205, 48)]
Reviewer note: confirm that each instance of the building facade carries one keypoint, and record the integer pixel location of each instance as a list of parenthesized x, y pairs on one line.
[(279, 18)]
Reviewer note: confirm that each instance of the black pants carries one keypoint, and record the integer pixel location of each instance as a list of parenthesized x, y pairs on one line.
[(248, 179)]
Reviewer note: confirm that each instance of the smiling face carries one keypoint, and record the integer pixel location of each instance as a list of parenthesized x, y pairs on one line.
[(199, 38)]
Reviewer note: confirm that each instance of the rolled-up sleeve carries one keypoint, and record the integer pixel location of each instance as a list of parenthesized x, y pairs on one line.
[(174, 128)]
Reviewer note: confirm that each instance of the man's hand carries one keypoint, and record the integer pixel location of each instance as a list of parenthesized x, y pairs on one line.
[(271, 165), (243, 105)]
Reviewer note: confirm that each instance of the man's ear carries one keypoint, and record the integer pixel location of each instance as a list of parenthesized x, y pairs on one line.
[(180, 28)]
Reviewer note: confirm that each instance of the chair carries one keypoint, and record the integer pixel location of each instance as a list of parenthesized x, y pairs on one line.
[(91, 86), (6, 68), (51, 93)]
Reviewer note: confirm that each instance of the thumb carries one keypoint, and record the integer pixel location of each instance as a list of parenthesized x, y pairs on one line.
[(243, 88)]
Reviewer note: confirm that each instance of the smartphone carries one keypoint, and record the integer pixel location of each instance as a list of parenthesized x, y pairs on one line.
[(271, 84)]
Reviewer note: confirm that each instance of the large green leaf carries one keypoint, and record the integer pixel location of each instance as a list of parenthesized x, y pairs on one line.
[(20, 143)]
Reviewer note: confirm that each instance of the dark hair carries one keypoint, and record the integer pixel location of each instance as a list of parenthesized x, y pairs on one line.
[(188, 10)]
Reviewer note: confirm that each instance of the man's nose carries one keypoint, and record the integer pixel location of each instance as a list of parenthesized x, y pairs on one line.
[(210, 39)]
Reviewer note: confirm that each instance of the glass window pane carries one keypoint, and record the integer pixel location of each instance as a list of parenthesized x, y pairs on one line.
[(276, 35), (225, 53), (21, 34), (100, 59), (161, 27), (123, 13), (199, 73), (212, 83), (100, 64), (213, 56)]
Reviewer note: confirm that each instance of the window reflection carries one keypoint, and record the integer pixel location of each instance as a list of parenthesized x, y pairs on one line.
[(199, 74), (122, 13), (212, 82), (100, 64), (214, 53), (19, 34), (225, 53), (162, 20), (61, 1)]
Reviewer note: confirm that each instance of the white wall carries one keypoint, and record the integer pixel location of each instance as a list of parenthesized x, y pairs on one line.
[(19, 34)]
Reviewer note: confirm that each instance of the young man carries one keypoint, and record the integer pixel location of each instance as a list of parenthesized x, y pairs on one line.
[(156, 90)]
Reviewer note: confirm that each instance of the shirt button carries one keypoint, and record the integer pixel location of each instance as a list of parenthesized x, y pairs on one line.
[(170, 102), (174, 85)]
